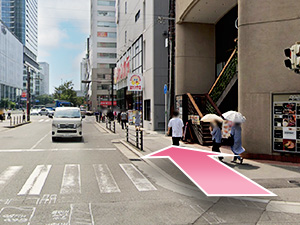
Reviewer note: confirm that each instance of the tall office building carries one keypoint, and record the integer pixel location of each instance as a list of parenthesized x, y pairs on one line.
[(21, 18), (44, 78), (102, 52)]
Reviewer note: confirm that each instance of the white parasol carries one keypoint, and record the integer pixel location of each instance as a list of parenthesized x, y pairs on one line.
[(211, 118), (234, 116)]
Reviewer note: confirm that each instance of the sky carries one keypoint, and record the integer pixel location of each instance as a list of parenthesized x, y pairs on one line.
[(63, 31)]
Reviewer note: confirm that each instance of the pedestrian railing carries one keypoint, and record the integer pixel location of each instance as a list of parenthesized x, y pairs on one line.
[(111, 125), (16, 120), (135, 137)]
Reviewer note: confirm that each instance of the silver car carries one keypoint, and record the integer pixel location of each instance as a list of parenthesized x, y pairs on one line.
[(67, 123)]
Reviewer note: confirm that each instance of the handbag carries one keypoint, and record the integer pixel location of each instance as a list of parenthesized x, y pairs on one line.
[(230, 140)]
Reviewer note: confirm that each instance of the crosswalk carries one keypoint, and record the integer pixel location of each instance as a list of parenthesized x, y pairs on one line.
[(44, 120), (71, 179)]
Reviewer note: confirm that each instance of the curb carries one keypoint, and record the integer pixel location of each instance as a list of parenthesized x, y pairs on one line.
[(18, 125)]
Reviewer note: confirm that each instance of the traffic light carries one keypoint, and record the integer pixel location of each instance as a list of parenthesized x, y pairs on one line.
[(293, 55)]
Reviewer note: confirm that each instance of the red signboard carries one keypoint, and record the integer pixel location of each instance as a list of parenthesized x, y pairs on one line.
[(101, 34), (107, 103), (123, 70), (24, 95)]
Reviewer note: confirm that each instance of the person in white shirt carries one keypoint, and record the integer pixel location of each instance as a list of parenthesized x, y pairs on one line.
[(177, 128)]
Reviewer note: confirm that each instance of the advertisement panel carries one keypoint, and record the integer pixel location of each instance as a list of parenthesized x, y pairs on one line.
[(135, 82), (286, 123)]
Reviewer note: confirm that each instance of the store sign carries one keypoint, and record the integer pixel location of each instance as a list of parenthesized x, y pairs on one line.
[(122, 70), (101, 34), (107, 103), (135, 82), (286, 123)]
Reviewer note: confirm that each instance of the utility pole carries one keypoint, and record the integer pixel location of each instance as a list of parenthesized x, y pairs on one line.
[(112, 88), (171, 79), (28, 94)]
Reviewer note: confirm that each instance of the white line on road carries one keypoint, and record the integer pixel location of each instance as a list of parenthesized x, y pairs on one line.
[(106, 181), (47, 120), (41, 120), (33, 147), (56, 149), (8, 174), (36, 181), (137, 178), (71, 183)]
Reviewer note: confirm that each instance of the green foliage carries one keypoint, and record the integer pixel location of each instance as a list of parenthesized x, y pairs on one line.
[(45, 99), (66, 92), (7, 104)]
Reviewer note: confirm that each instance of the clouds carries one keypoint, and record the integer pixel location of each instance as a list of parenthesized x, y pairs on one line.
[(63, 27)]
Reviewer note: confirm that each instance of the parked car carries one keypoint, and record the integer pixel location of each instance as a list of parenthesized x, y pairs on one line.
[(43, 112), (89, 113), (34, 112), (67, 123), (50, 112)]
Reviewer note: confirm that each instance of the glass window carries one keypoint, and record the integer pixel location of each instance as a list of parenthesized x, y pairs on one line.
[(106, 3), (105, 66), (107, 34), (147, 110), (106, 13), (106, 24), (106, 45), (107, 55)]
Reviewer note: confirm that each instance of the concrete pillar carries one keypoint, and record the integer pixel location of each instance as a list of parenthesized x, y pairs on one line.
[(195, 58)]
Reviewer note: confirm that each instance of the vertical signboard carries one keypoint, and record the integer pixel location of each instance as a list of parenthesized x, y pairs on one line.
[(286, 123)]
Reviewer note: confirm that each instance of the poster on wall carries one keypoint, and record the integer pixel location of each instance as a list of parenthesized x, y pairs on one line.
[(286, 123), (179, 105), (135, 82)]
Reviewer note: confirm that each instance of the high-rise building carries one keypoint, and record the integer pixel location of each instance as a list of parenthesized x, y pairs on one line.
[(102, 52), (44, 78), (21, 18), (11, 65), (142, 66)]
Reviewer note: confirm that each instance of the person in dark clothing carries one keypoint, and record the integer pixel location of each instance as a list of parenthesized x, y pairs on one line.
[(216, 132), (110, 115), (123, 119), (97, 116)]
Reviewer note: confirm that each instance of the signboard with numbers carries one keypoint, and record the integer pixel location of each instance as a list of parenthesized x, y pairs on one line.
[(286, 123)]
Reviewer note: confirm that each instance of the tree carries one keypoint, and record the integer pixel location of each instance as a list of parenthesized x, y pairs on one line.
[(44, 99), (66, 92)]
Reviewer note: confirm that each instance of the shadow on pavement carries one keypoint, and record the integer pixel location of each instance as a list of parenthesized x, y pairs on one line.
[(244, 166)]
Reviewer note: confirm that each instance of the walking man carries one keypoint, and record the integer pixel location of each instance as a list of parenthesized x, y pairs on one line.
[(123, 119), (177, 128)]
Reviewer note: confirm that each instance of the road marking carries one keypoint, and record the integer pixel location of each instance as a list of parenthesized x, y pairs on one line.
[(36, 181), (56, 149), (8, 174), (71, 183), (47, 120), (137, 178), (105, 179), (33, 147), (81, 214), (41, 120)]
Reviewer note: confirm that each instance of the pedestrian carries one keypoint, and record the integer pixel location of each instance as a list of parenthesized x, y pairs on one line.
[(24, 117), (123, 119), (237, 149), (110, 115), (100, 116), (119, 117), (137, 120), (216, 132), (9, 114), (97, 116), (177, 128)]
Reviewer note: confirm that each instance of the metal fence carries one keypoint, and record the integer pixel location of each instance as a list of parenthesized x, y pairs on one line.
[(16, 120), (135, 137), (111, 125)]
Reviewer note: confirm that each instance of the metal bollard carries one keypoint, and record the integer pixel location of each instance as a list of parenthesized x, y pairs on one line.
[(127, 135), (17, 120), (14, 121), (142, 143), (137, 138), (114, 126), (10, 121)]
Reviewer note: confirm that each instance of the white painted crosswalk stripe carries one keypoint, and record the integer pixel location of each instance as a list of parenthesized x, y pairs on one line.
[(47, 120), (137, 178), (41, 120), (36, 181), (71, 183), (8, 174), (105, 179)]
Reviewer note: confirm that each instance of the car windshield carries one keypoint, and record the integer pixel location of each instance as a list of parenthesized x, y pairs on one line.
[(68, 113)]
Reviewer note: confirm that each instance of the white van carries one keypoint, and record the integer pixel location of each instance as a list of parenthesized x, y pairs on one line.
[(67, 123)]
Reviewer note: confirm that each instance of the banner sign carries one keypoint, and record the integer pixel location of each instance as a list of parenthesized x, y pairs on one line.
[(122, 70), (135, 82), (286, 123), (107, 103)]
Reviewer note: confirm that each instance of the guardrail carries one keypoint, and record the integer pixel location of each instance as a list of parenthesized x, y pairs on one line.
[(111, 125), (16, 120), (135, 137)]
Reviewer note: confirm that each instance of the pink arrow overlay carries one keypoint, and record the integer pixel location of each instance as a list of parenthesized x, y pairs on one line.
[(210, 175)]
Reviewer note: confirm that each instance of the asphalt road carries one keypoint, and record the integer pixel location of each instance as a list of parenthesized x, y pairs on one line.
[(94, 182)]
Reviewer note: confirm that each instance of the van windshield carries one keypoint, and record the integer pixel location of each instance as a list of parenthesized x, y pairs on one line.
[(68, 113)]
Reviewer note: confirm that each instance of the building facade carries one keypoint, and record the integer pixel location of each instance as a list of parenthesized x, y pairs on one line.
[(44, 78), (142, 58), (11, 65), (102, 53), (249, 37)]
